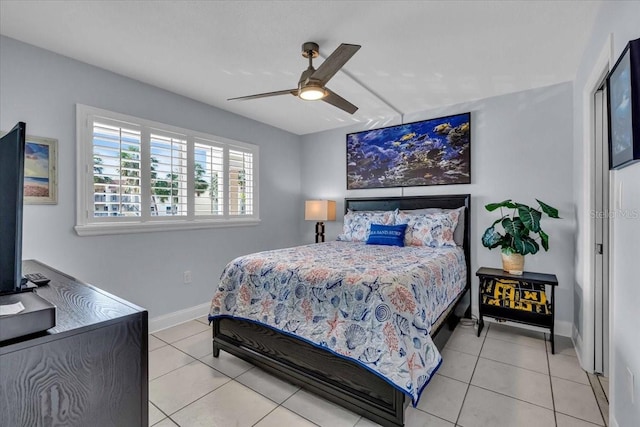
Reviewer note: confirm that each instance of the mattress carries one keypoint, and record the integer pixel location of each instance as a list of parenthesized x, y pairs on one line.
[(372, 304)]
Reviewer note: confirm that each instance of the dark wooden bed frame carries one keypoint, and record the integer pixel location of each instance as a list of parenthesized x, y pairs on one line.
[(321, 372)]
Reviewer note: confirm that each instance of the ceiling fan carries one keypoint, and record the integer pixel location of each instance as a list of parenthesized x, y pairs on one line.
[(312, 83)]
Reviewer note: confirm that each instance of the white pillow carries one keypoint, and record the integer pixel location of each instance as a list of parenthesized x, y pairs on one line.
[(458, 233), (357, 224), (429, 229)]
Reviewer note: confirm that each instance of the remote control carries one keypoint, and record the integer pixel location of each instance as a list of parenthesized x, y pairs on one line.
[(37, 278)]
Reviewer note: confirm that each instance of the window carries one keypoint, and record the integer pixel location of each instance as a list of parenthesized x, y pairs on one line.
[(135, 175)]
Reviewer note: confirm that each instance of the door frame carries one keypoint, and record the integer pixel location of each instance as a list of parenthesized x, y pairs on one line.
[(585, 342), (602, 184)]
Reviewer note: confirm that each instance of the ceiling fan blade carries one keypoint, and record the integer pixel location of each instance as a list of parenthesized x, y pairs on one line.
[(334, 62), (293, 92), (338, 101)]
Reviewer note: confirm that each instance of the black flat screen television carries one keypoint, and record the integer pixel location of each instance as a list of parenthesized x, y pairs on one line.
[(623, 104), (11, 189)]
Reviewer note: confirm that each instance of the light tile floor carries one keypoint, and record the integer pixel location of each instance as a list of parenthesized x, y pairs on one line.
[(506, 377)]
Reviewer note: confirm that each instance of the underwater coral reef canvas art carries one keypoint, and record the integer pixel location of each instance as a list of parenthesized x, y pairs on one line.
[(429, 152)]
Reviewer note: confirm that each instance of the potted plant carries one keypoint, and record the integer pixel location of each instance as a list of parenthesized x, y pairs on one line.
[(519, 230)]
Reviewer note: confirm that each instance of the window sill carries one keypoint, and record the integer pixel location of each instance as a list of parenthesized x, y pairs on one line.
[(102, 229)]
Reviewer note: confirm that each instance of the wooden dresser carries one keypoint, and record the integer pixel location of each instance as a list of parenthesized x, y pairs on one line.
[(91, 369)]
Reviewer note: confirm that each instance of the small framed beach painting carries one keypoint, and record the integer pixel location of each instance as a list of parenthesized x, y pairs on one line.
[(430, 152), (41, 171)]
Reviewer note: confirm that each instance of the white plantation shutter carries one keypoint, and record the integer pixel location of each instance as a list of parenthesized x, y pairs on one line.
[(137, 175), (209, 178), (116, 170), (240, 182), (169, 177)]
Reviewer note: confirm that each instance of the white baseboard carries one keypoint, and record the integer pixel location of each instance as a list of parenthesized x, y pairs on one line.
[(562, 328), (577, 344), (168, 320), (165, 321)]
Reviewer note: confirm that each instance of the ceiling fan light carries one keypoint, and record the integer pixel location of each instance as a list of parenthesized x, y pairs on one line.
[(312, 93)]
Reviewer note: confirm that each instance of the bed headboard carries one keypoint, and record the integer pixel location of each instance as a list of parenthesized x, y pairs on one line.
[(448, 201)]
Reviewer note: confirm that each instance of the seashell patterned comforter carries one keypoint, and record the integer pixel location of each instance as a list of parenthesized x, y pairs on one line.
[(369, 303)]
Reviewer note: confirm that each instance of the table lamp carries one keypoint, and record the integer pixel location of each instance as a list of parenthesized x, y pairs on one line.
[(320, 210)]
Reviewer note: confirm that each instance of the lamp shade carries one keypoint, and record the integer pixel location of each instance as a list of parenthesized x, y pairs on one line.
[(320, 210)]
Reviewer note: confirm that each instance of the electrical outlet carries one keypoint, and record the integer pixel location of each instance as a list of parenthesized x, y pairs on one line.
[(631, 385), (187, 277)]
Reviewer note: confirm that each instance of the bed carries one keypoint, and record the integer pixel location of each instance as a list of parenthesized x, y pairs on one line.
[(353, 380)]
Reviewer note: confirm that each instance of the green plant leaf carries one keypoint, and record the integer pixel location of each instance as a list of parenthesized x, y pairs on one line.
[(491, 238), (508, 250), (504, 204), (514, 227), (549, 210), (532, 245), (525, 245), (518, 246), (530, 217), (544, 239)]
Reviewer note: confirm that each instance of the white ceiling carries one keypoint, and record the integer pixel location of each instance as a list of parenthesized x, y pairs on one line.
[(415, 55)]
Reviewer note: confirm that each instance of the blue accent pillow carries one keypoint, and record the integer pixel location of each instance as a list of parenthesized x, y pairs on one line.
[(391, 235)]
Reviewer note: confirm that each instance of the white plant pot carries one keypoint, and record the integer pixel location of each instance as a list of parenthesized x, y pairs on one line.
[(513, 264)]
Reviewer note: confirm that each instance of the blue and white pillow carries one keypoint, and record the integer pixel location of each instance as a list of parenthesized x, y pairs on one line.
[(390, 235), (430, 229), (357, 224)]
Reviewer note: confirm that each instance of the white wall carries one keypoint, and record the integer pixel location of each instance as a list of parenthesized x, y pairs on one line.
[(521, 148), (41, 88), (621, 20)]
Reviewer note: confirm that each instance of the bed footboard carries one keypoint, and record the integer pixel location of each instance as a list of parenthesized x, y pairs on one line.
[(333, 378)]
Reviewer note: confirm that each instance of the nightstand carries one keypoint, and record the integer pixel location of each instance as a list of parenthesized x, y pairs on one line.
[(521, 299)]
